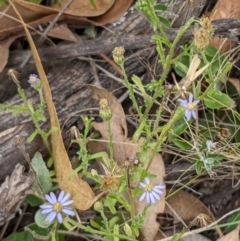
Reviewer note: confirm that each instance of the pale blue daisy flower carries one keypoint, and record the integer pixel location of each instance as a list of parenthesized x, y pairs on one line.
[(56, 206), (190, 107), (33, 79), (151, 192)]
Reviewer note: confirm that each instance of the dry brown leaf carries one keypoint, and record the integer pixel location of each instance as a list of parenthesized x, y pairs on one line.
[(232, 236), (79, 8), (186, 206), (61, 31), (79, 190), (118, 122), (114, 13), (4, 50), (9, 24), (236, 83), (222, 10)]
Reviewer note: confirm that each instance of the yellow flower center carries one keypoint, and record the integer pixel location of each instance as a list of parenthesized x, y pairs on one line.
[(57, 207), (32, 79), (191, 106), (148, 187)]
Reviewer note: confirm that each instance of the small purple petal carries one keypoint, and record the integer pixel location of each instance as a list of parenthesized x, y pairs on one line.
[(61, 195), (67, 203), (152, 198), (195, 102), (183, 103), (142, 197), (59, 218), (44, 206), (187, 114), (65, 198), (146, 180), (53, 197), (51, 216), (156, 196), (159, 186), (147, 197), (49, 199), (142, 185), (68, 212), (157, 190), (45, 211), (190, 98), (194, 114)]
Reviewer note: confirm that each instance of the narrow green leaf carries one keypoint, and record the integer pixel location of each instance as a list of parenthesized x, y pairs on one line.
[(164, 21), (42, 173), (183, 145), (199, 166), (32, 136), (217, 99), (138, 83), (160, 7), (93, 4)]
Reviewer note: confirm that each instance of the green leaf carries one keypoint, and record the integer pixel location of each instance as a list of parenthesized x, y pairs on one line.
[(32, 136), (42, 173), (93, 4), (199, 166), (164, 21), (110, 203), (160, 7), (183, 145), (53, 129), (33, 200), (40, 219), (216, 99), (178, 128), (232, 218), (113, 221), (181, 67), (27, 236), (95, 225), (139, 85)]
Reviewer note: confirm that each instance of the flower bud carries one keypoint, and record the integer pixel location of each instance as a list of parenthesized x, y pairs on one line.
[(127, 229), (105, 111), (118, 55), (98, 206)]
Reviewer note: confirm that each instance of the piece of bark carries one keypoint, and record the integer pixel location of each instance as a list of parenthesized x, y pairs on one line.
[(13, 191), (91, 47)]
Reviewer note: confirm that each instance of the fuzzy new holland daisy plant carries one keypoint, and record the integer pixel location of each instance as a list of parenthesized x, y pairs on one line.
[(57, 206), (151, 192)]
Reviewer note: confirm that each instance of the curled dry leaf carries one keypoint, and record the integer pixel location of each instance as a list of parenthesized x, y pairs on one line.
[(79, 8), (118, 122), (61, 31), (186, 206), (4, 50), (232, 236), (114, 13), (222, 10), (124, 150), (236, 83)]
